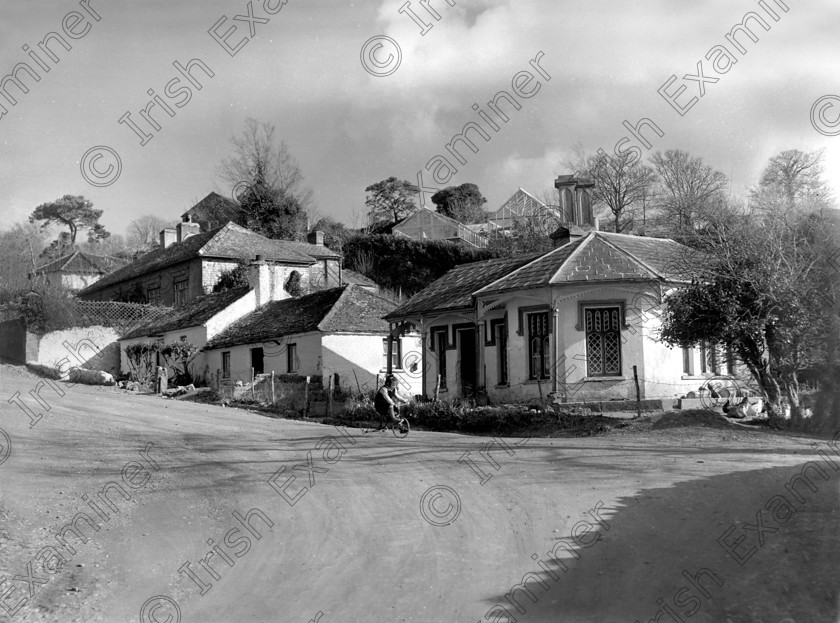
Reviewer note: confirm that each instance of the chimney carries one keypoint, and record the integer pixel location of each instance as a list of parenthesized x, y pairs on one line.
[(564, 235), (187, 228), (266, 280), (316, 237), (258, 279), (167, 237)]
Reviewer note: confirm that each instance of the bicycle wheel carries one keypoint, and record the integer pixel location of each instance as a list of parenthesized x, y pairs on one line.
[(402, 430)]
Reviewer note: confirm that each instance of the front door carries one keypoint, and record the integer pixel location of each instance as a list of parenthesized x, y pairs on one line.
[(467, 361), (257, 360)]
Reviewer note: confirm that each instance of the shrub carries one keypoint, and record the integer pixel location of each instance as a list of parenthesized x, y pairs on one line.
[(404, 264)]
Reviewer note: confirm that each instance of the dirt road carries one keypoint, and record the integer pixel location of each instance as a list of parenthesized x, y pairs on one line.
[(347, 527)]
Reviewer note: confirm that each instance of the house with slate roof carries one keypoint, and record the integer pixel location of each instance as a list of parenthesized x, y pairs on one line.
[(338, 333), (570, 324), (189, 262), (78, 270), (195, 323)]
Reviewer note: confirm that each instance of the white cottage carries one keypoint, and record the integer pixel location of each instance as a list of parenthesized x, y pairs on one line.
[(336, 333), (572, 324)]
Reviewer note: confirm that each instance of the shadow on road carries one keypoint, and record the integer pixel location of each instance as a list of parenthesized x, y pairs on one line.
[(634, 571)]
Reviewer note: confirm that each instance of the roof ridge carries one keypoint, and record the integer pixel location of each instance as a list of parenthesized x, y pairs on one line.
[(328, 316), (526, 264), (632, 256)]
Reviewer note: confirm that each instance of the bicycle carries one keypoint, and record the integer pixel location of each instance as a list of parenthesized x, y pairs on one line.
[(400, 427)]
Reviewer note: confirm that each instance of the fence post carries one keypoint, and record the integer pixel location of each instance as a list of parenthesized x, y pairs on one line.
[(253, 394), (306, 398), (638, 395), (359, 387), (330, 397), (437, 387), (273, 399), (539, 387)]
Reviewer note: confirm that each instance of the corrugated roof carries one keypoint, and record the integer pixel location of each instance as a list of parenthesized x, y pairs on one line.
[(81, 262), (230, 241), (194, 314), (454, 290), (348, 309)]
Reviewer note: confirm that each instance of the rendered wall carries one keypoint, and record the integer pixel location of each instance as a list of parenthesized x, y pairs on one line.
[(91, 347), (359, 358)]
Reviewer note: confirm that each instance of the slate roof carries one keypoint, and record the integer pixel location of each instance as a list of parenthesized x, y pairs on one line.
[(599, 256), (214, 208), (319, 252), (229, 242), (81, 262), (347, 309), (352, 277), (454, 290), (194, 314)]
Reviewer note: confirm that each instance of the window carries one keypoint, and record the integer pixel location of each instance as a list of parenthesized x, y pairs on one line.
[(501, 353), (153, 295), (396, 354), (688, 354), (226, 364), (440, 346), (539, 353), (180, 290), (603, 341), (709, 360), (730, 362), (291, 358)]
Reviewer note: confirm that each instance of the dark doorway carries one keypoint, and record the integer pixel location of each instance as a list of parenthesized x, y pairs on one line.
[(467, 362), (257, 360)]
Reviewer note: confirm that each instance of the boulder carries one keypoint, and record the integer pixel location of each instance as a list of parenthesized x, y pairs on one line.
[(90, 377)]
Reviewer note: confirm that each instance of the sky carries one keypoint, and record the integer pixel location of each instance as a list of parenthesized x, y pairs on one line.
[(360, 91)]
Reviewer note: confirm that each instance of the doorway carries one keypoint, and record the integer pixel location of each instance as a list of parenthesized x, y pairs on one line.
[(467, 360), (257, 360)]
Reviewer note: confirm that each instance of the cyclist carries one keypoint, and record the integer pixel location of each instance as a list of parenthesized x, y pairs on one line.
[(387, 402)]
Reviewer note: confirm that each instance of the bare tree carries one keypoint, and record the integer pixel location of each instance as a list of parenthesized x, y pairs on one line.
[(19, 248), (622, 183), (688, 188), (142, 234), (793, 179), (260, 155)]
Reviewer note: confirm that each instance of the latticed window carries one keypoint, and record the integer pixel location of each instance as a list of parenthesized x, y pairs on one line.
[(603, 341), (709, 360), (153, 296), (226, 365), (539, 353)]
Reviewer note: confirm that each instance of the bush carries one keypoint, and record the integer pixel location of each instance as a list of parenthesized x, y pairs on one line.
[(404, 264)]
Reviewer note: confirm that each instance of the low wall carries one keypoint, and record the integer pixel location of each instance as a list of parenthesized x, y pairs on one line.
[(94, 348)]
